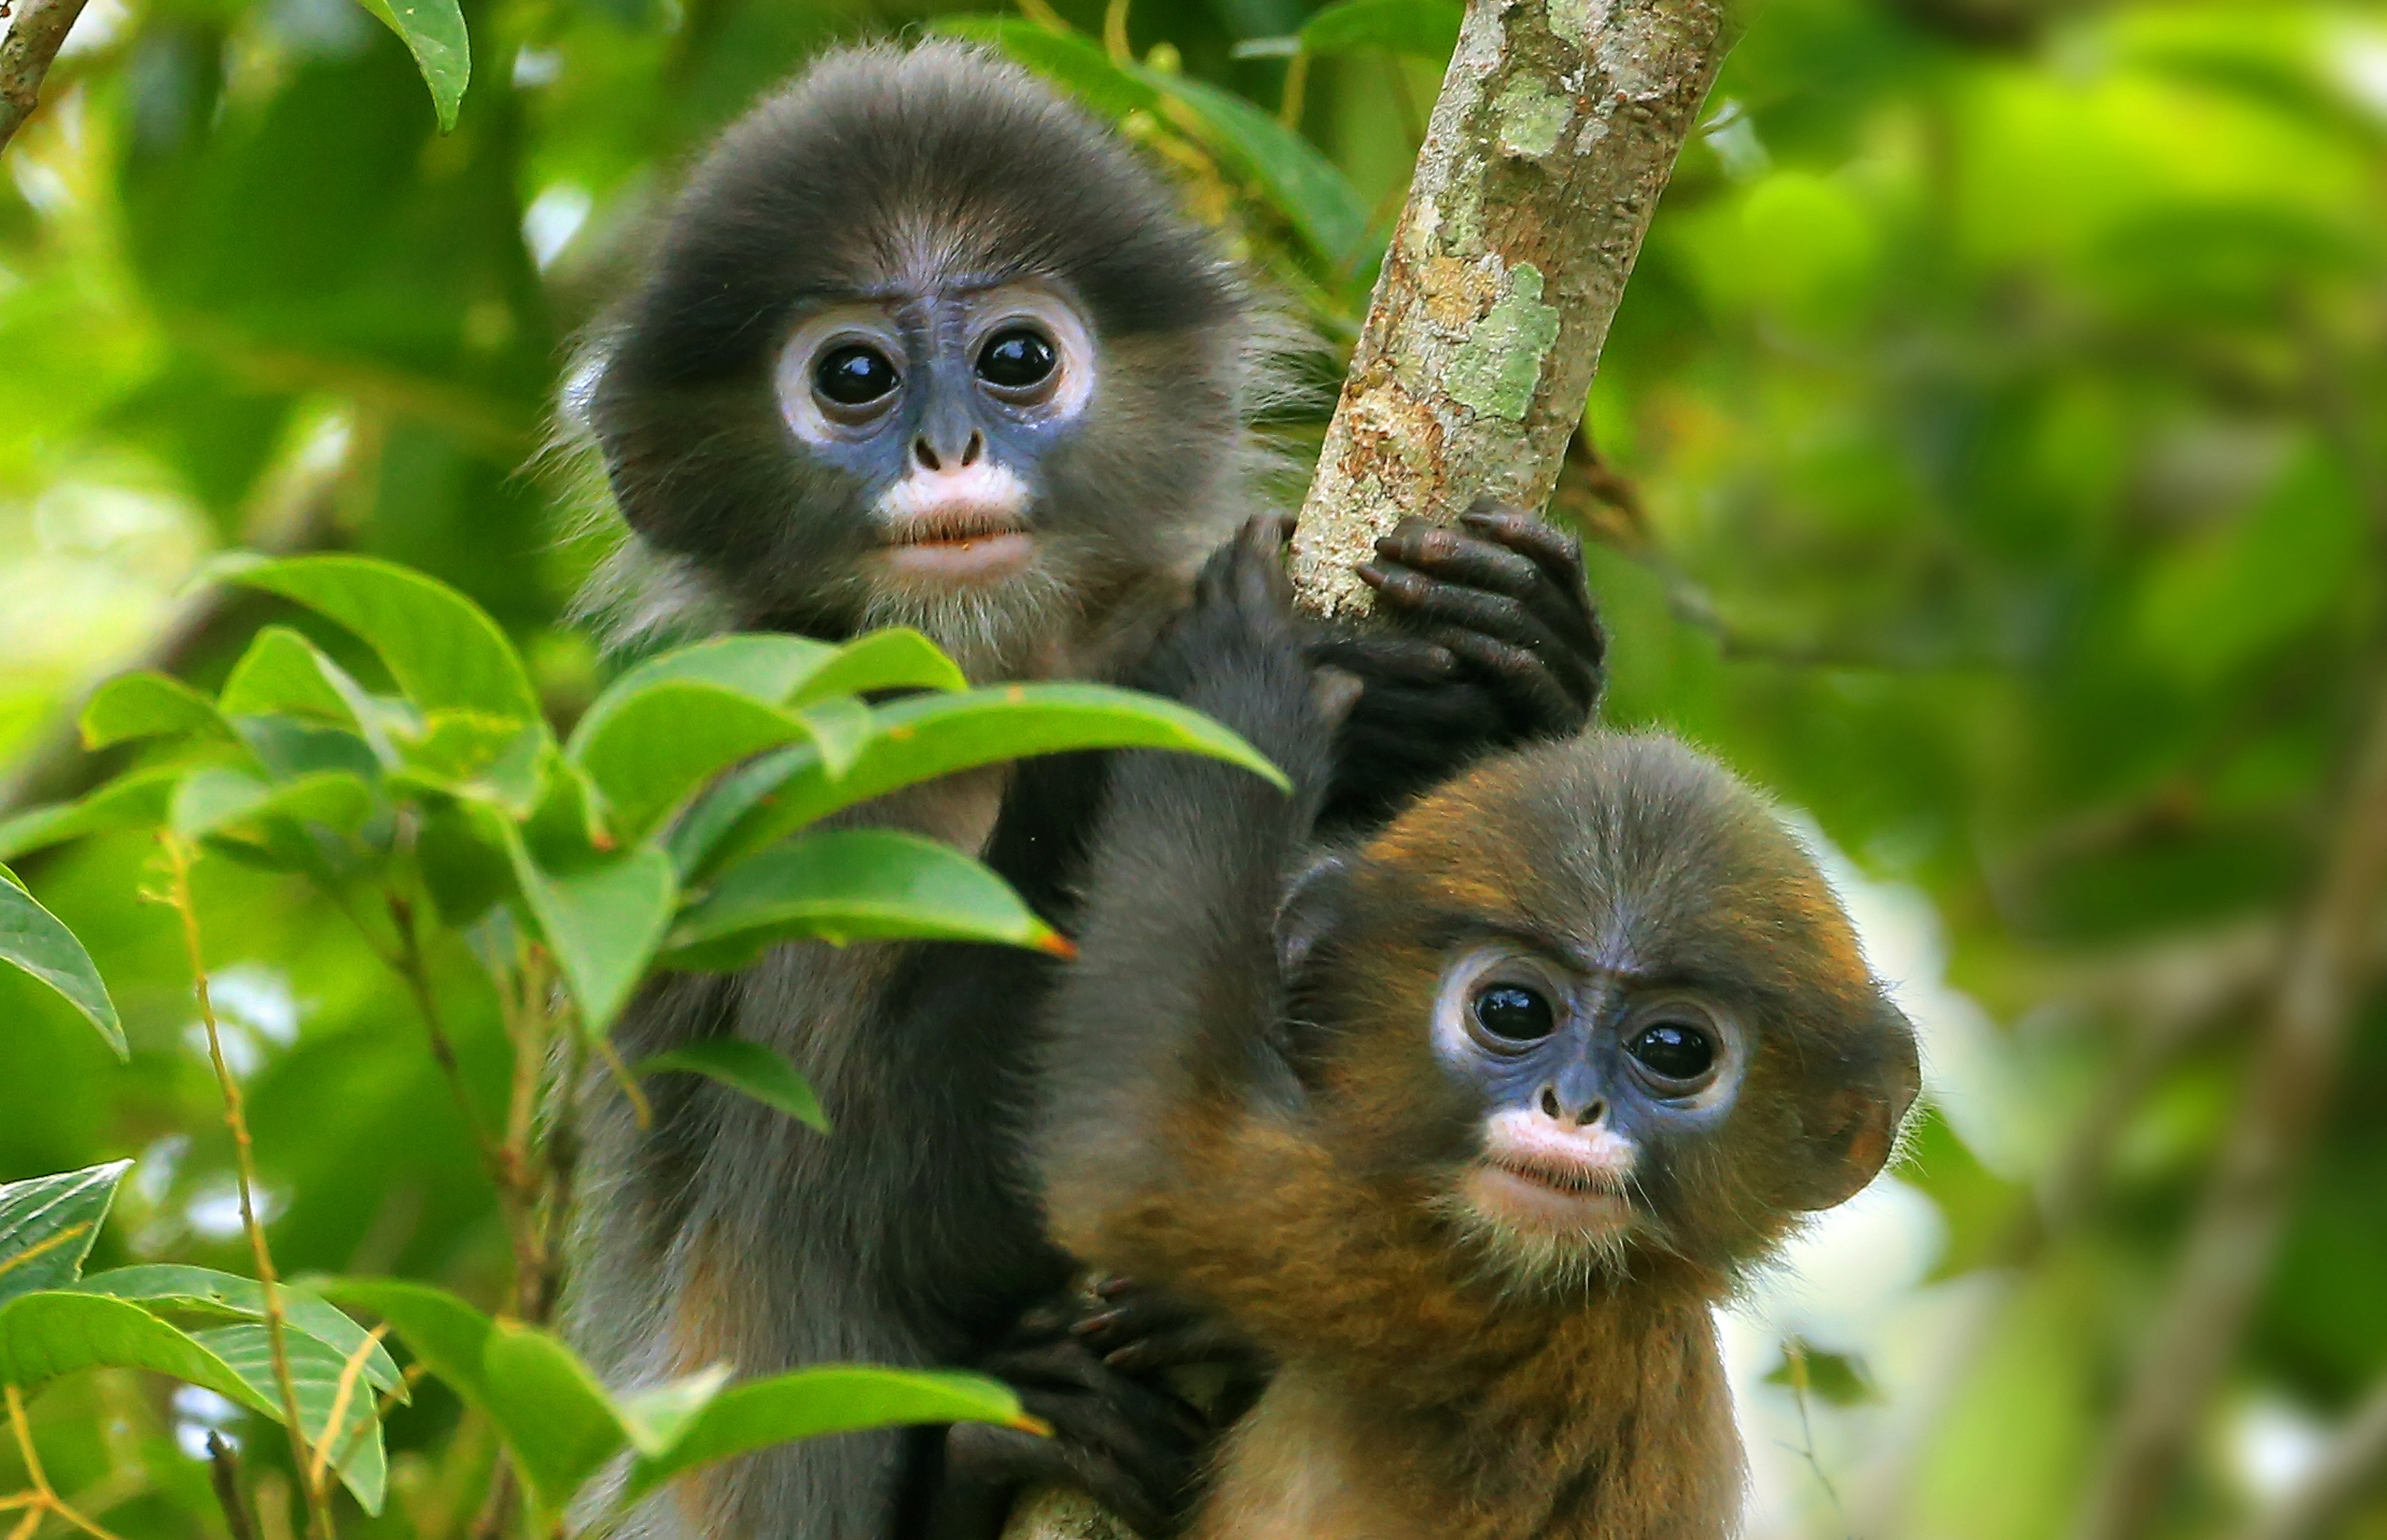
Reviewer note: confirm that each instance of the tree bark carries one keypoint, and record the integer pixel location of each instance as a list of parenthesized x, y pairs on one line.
[(37, 28), (1557, 128)]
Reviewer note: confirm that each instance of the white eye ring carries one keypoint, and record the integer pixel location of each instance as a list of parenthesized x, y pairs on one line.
[(793, 379), (1041, 310)]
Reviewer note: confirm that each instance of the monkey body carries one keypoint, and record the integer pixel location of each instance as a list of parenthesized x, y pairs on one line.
[(1470, 1124), (922, 344)]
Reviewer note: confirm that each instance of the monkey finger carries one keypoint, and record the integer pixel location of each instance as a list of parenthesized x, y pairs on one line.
[(1558, 599), (1073, 1372), (1386, 656), (1553, 550), (1428, 600), (1549, 705), (1147, 1435), (1195, 1343)]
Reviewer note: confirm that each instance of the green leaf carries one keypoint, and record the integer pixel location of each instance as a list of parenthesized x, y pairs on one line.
[(48, 1223), (811, 1403), (46, 1334), (553, 1413), (446, 1335), (851, 885), (434, 33), (1427, 29), (921, 738), (146, 705), (602, 918), (764, 665), (443, 649), (651, 750), (283, 674), (1074, 62), (168, 1288), (38, 943), (1836, 1379), (897, 658), (660, 1417), (839, 727), (138, 800), (747, 1067), (316, 1369), (496, 760), (1305, 186), (218, 801)]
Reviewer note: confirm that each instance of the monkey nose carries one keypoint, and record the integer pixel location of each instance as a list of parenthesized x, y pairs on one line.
[(1582, 1115), (932, 459)]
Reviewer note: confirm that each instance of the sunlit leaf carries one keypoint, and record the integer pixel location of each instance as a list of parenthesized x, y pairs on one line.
[(48, 1223), (602, 918), (443, 649), (146, 705), (216, 799), (283, 674), (652, 749), (137, 800), (443, 1333), (659, 1418), (838, 726), (747, 1067), (471, 754), (897, 658), (170, 1288), (553, 1413), (38, 944), (767, 666), (316, 1369), (1305, 186), (931, 736), (46, 1334), (850, 885), (811, 1403), (434, 33), (1076, 63)]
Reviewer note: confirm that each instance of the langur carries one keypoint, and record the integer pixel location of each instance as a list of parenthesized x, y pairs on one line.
[(922, 343), (1466, 1124)]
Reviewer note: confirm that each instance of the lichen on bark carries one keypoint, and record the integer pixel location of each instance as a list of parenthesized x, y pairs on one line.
[(1557, 128)]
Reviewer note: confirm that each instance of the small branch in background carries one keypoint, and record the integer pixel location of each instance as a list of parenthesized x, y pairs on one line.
[(36, 30), (42, 1499), (2237, 1230), (179, 855), (223, 1474), (2353, 1463)]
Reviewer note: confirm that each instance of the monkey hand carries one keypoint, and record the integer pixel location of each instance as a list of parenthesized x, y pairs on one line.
[(1493, 641), (1142, 1330), (1131, 1444)]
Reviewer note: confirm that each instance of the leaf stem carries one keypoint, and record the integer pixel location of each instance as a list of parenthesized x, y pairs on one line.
[(180, 854), (42, 1499)]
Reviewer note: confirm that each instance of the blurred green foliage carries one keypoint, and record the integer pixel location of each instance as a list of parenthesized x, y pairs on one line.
[(1993, 458)]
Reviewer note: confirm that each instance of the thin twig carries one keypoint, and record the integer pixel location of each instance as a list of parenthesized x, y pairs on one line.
[(36, 30), (223, 1474), (44, 1499), (350, 1372), (2237, 1230), (413, 968), (178, 857)]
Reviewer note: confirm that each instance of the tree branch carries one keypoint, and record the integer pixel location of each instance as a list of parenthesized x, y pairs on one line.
[(37, 28), (2237, 1230), (1557, 128)]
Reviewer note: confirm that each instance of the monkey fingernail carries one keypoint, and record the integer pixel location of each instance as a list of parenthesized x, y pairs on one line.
[(1102, 1322)]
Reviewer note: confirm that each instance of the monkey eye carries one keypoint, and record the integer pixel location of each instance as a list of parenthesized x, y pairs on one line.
[(1018, 362), (1675, 1055), (854, 375), (1512, 1016)]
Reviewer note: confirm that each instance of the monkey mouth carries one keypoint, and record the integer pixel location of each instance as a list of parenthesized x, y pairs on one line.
[(1549, 1196), (959, 541)]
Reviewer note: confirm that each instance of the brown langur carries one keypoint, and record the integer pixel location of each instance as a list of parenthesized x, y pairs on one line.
[(1471, 1127), (921, 343)]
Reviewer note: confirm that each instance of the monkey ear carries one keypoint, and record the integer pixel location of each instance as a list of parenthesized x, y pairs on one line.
[(1312, 905), (1856, 1128)]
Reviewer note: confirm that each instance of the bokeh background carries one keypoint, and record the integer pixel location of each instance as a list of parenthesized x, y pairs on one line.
[(1990, 457)]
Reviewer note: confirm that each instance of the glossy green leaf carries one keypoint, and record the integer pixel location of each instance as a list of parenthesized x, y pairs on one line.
[(49, 1333), (38, 944), (218, 801), (920, 740), (434, 33), (48, 1223), (146, 705), (316, 1369), (768, 666), (1427, 29), (659, 1418), (443, 1333), (551, 1411), (896, 658), (137, 800), (747, 1067), (602, 918), (851, 885), (839, 727), (443, 649), (482, 758), (652, 749), (283, 674), (811, 1403), (170, 1288), (1308, 189), (1076, 63)]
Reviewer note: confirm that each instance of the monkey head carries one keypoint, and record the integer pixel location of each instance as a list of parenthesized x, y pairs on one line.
[(922, 343), (1592, 1002)]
